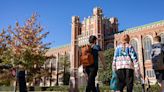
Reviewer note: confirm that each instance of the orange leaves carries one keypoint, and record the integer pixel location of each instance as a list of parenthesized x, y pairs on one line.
[(26, 40), (25, 44)]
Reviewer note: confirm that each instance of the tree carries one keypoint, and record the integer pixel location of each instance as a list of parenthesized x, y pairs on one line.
[(5, 64), (27, 47), (65, 62), (105, 75)]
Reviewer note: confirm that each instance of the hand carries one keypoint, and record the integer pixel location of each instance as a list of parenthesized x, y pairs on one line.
[(137, 74)]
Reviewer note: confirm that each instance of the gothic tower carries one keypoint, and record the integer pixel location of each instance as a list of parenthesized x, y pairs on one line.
[(74, 43), (98, 30)]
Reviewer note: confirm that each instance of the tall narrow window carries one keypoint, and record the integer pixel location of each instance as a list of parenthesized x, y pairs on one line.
[(147, 47), (162, 38), (133, 42)]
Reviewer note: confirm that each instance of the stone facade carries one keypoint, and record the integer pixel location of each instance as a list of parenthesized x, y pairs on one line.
[(141, 39), (54, 65), (106, 30), (97, 25)]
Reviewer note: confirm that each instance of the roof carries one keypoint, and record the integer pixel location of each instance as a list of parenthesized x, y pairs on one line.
[(146, 26), (60, 47)]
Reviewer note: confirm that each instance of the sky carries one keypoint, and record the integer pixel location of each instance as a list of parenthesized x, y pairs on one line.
[(55, 15)]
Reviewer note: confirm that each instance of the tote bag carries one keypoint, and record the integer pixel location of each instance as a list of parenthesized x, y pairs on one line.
[(114, 82)]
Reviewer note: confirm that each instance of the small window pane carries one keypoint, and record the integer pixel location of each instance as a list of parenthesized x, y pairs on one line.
[(135, 45), (162, 38)]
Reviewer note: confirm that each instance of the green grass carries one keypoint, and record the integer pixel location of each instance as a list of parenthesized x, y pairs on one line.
[(137, 88)]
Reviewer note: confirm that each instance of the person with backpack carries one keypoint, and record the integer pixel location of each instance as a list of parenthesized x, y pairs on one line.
[(157, 58), (125, 64), (90, 55)]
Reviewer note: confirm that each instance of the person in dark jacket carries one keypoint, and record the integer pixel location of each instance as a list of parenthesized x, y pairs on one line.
[(157, 57), (92, 70)]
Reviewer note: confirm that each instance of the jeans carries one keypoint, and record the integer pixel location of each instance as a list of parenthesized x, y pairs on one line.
[(92, 73)]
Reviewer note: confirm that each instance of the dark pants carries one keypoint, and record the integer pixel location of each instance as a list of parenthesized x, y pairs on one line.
[(159, 75), (125, 78), (91, 72)]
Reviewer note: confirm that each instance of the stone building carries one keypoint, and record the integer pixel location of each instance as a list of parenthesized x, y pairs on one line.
[(142, 39), (55, 66), (108, 34)]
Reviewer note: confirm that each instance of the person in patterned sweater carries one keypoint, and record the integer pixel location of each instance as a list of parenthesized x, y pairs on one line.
[(125, 64)]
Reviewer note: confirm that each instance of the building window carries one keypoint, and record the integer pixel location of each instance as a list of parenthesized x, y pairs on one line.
[(147, 47), (79, 32), (133, 42), (162, 38), (150, 73), (98, 26)]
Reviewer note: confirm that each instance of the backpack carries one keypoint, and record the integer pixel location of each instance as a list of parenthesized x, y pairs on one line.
[(157, 57), (86, 57), (125, 52)]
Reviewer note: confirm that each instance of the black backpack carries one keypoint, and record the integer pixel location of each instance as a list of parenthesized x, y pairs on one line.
[(157, 56)]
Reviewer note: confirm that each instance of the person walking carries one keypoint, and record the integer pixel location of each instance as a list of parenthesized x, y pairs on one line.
[(92, 69), (157, 58), (125, 64)]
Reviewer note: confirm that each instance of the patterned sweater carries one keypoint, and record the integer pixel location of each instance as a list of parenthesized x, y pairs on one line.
[(125, 57)]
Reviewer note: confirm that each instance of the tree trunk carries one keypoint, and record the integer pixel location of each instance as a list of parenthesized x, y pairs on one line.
[(22, 81)]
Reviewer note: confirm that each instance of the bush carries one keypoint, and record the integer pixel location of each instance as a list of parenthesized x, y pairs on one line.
[(66, 78), (105, 75), (5, 83), (58, 88), (154, 88), (6, 88)]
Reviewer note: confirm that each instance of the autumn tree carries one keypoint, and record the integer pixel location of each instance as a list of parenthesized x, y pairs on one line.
[(5, 64), (27, 46)]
